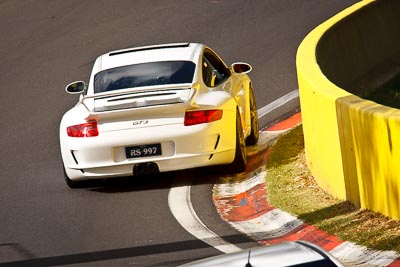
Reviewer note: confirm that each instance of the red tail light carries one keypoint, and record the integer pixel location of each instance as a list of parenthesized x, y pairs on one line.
[(88, 129), (202, 116)]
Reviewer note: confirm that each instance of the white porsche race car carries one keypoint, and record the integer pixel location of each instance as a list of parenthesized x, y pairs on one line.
[(156, 109)]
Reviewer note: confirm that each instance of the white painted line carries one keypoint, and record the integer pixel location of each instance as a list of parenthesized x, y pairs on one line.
[(234, 188), (355, 255), (273, 224), (182, 209), (277, 103), (279, 132)]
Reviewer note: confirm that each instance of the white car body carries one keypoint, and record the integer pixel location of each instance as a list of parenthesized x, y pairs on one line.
[(127, 122), (293, 253)]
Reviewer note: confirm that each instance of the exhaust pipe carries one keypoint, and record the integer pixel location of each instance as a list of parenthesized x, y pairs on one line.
[(147, 168)]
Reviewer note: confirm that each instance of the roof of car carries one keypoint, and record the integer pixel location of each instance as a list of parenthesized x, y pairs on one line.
[(143, 54), (283, 254)]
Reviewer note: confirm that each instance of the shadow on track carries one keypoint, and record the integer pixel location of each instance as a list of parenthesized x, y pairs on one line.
[(204, 175), (115, 254)]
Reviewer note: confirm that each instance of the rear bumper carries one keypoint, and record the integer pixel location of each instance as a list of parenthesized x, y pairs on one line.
[(183, 147), (164, 165)]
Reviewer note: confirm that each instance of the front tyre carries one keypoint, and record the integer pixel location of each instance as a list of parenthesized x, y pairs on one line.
[(252, 139), (240, 161)]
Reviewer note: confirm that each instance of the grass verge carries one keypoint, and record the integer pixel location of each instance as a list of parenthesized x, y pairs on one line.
[(291, 188)]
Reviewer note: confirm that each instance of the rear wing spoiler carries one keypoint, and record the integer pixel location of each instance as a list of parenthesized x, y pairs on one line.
[(112, 101)]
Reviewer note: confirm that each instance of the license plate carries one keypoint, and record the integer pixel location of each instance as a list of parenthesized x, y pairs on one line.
[(143, 151)]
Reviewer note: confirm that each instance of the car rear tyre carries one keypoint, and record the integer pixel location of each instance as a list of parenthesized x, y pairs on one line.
[(252, 139), (240, 161)]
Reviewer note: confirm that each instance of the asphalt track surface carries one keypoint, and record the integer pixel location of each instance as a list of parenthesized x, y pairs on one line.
[(46, 44)]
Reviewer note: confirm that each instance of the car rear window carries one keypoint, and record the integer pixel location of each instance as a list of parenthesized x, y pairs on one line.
[(145, 74)]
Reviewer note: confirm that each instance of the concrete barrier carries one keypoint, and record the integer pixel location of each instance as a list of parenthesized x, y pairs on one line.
[(353, 145)]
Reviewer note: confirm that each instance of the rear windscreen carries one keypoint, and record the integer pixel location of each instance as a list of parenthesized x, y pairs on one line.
[(145, 74)]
